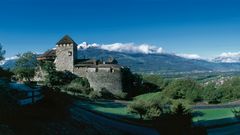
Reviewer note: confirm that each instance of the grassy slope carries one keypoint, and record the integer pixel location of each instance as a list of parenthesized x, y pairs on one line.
[(108, 108), (211, 114), (148, 96)]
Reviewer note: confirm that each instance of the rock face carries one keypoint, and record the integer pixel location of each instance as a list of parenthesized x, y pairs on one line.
[(100, 74)]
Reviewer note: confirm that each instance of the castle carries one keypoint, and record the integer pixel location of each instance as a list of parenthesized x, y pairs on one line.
[(100, 74)]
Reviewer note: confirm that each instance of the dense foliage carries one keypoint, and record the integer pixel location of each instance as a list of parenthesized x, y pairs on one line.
[(54, 78), (78, 86), (183, 89), (131, 82), (228, 91), (154, 82), (194, 91)]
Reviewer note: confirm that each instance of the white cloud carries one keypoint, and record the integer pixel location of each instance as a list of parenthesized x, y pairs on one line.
[(189, 56), (230, 54), (12, 58), (125, 47), (228, 57), (85, 45)]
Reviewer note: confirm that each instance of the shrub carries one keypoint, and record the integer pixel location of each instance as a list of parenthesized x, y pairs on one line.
[(95, 95), (106, 94), (178, 121), (139, 107), (155, 82), (78, 85), (121, 95), (236, 112)]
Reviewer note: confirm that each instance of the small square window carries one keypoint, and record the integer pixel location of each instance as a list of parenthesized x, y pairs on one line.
[(69, 53)]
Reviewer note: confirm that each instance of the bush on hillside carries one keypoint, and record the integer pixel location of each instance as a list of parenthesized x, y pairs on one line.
[(183, 89), (132, 83), (236, 112), (78, 85), (106, 94), (139, 107), (95, 95), (154, 82)]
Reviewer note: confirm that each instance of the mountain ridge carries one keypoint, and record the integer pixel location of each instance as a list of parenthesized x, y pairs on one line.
[(151, 63)]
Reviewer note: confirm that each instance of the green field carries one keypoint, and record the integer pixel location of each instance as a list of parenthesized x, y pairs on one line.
[(209, 117), (148, 96), (118, 110), (213, 114)]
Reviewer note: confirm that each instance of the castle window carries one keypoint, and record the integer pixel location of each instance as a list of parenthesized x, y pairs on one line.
[(111, 70), (69, 53)]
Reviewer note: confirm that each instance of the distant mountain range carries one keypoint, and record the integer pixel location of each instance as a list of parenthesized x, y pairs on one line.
[(159, 62), (155, 63)]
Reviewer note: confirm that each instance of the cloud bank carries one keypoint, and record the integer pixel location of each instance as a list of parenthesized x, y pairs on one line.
[(228, 57), (189, 56), (125, 47)]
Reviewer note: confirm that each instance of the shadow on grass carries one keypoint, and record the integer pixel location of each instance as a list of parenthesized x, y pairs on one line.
[(218, 122)]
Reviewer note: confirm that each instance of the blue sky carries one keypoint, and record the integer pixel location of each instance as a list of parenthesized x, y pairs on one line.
[(204, 27)]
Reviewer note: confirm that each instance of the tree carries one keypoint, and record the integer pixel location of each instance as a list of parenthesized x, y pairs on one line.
[(25, 66), (138, 107), (212, 94), (2, 52), (178, 121), (56, 78), (132, 83)]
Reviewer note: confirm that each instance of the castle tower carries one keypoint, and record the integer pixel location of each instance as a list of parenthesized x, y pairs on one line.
[(66, 54)]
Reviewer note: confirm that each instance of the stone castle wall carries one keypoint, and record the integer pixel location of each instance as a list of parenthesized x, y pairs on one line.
[(66, 54), (100, 78)]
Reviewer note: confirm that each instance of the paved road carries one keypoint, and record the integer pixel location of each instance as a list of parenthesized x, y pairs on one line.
[(216, 106), (104, 123)]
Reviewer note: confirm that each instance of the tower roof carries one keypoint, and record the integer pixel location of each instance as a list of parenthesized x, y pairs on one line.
[(66, 40)]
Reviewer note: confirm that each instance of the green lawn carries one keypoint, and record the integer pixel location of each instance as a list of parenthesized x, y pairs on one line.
[(148, 96), (209, 117), (212, 114), (113, 109)]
